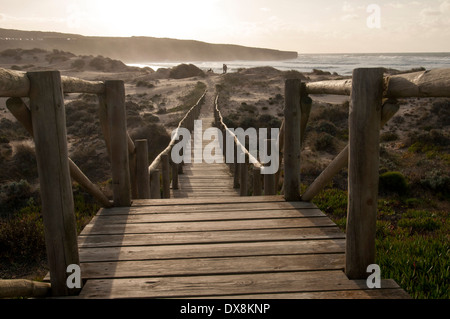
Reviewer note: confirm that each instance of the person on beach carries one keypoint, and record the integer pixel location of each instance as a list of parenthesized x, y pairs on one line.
[(225, 68)]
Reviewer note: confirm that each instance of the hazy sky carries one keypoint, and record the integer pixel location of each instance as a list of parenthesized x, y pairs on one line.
[(305, 26)]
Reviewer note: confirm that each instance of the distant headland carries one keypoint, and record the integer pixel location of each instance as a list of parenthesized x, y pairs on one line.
[(133, 49)]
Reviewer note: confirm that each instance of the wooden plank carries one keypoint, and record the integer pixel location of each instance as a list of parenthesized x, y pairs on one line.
[(233, 236), (144, 228), (231, 200), (383, 293), (211, 266), (210, 216), (207, 208), (212, 250), (221, 285)]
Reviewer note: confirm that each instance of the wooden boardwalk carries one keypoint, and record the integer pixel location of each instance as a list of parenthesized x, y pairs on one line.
[(232, 247), (203, 179), (206, 242)]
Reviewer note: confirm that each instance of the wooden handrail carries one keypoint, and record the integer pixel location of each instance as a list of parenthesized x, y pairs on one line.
[(157, 161), (431, 83), (240, 169), (17, 84), (251, 159), (162, 164)]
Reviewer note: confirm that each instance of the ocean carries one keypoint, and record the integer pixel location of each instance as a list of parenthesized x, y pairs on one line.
[(342, 64)]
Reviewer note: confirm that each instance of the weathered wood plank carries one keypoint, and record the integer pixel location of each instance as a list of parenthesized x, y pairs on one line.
[(206, 225), (212, 250), (211, 266), (231, 200), (220, 285), (383, 293), (210, 216), (227, 207), (230, 236)]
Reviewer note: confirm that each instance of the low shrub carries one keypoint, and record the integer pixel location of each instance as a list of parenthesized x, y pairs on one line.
[(326, 127), (325, 142), (437, 181), (78, 64), (145, 84), (388, 137), (393, 182), (24, 164), (185, 71), (13, 196)]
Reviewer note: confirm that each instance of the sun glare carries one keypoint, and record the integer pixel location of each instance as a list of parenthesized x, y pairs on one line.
[(169, 18)]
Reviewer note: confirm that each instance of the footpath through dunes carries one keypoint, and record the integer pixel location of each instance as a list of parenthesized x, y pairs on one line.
[(205, 179), (208, 242)]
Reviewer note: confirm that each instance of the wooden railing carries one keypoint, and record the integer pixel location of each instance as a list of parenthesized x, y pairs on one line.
[(240, 170), (44, 119), (163, 168), (372, 104)]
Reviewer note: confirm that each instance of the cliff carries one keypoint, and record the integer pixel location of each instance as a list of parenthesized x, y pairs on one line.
[(138, 49)]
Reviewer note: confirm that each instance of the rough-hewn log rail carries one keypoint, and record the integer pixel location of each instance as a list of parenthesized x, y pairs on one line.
[(240, 169), (17, 84), (432, 83), (160, 163)]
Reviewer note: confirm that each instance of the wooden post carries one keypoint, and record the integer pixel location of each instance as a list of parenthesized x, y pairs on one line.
[(132, 167), (305, 107), (103, 119), (243, 178), (165, 175), (115, 103), (49, 130), (155, 185), (269, 185), (280, 155), (235, 168), (364, 139), (224, 144), (142, 176), (292, 140), (175, 175), (257, 184)]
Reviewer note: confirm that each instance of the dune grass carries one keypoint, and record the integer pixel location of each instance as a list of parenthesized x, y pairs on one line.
[(412, 242)]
